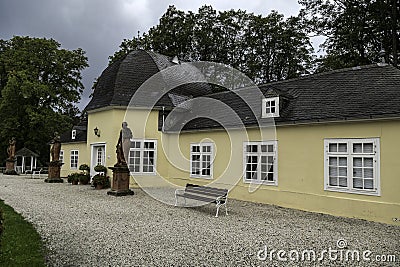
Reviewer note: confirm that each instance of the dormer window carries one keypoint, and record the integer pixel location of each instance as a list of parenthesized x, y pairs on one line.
[(270, 107), (73, 134)]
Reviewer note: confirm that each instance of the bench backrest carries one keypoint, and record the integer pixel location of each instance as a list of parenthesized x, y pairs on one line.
[(205, 190)]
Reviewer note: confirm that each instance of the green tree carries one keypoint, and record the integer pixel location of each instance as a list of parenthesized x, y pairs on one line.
[(39, 84), (356, 31), (266, 48)]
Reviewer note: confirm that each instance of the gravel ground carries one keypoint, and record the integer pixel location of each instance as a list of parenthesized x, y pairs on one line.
[(81, 226)]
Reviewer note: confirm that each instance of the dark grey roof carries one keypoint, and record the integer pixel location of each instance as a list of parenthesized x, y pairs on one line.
[(121, 80), (81, 134), (367, 92), (25, 152)]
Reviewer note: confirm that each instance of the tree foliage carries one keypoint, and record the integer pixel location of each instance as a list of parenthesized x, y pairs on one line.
[(39, 84), (356, 31), (268, 48)]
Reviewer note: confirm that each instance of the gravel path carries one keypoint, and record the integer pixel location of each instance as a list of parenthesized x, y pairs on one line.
[(85, 227)]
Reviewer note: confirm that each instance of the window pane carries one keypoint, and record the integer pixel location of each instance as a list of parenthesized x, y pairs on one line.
[(368, 173), (263, 148), (368, 148), (343, 161), (333, 171), (149, 145), (333, 181), (195, 148), (342, 182), (357, 183), (333, 161), (368, 162), (333, 147), (342, 147), (357, 172), (369, 184), (357, 148), (343, 171), (206, 148), (357, 162), (270, 148)]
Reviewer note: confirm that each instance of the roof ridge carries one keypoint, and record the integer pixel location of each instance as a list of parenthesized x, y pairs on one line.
[(361, 67)]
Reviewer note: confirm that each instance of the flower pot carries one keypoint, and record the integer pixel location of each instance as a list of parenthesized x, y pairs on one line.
[(99, 186), (84, 182), (74, 182)]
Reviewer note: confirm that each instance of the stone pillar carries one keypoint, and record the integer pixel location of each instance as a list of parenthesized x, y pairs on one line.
[(10, 167), (54, 172), (120, 181)]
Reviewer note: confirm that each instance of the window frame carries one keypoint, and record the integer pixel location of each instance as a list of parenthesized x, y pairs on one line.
[(350, 155), (264, 113), (71, 159), (61, 156), (259, 154), (73, 134), (202, 153), (141, 151)]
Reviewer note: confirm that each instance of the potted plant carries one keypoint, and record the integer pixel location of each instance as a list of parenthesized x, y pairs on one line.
[(101, 169), (73, 178), (101, 181), (84, 168), (84, 178)]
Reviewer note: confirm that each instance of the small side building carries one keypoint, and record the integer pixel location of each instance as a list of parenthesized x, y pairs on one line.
[(26, 160)]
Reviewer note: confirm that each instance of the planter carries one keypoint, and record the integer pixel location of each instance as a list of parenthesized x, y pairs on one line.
[(74, 182), (83, 182), (99, 186)]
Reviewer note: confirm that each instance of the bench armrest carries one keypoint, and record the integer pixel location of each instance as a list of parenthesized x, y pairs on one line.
[(177, 191)]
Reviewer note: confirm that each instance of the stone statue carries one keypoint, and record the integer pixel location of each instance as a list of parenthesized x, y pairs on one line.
[(11, 148), (56, 147), (123, 145)]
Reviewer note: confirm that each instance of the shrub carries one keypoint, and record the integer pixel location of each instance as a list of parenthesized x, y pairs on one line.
[(100, 168), (103, 180), (84, 178), (73, 177), (1, 223), (84, 168)]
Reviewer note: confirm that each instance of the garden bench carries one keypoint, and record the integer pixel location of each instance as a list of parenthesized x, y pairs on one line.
[(203, 194)]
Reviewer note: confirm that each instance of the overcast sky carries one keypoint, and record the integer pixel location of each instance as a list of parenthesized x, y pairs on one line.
[(99, 26)]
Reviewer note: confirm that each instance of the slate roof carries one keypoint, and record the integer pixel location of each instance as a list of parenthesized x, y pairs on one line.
[(25, 152), (81, 134), (367, 92), (121, 80)]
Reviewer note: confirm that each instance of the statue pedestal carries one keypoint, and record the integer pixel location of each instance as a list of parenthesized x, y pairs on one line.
[(120, 181), (10, 167), (54, 172)]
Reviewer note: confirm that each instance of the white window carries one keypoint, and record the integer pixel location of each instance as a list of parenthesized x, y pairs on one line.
[(142, 156), (74, 159), (270, 107), (201, 160), (73, 134), (61, 158), (352, 165), (100, 156), (260, 162)]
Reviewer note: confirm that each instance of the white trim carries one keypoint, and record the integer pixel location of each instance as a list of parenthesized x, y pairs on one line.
[(275, 101), (350, 155), (201, 153), (61, 156), (259, 153), (73, 134), (141, 151), (93, 158), (70, 159)]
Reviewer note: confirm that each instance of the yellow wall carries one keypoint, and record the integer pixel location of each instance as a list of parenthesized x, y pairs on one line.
[(82, 157), (301, 169), (300, 161)]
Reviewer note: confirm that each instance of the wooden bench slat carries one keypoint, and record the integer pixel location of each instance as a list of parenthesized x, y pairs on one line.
[(207, 193)]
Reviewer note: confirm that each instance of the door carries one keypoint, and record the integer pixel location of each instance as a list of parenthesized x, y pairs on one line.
[(98, 157)]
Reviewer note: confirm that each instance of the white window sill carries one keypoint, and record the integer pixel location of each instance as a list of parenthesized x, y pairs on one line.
[(201, 177), (353, 191), (273, 183)]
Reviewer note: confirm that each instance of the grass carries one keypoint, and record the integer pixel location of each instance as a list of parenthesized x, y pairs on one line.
[(20, 244)]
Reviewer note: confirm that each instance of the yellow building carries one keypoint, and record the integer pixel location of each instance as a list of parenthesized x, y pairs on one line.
[(324, 143)]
